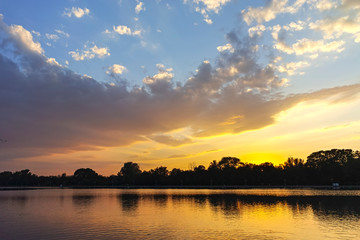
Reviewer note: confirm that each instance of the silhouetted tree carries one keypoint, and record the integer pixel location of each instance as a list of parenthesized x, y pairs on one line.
[(229, 162), (214, 173), (351, 171), (5, 178), (322, 167), (25, 178), (160, 175), (328, 166), (129, 172), (294, 171), (176, 177), (86, 176)]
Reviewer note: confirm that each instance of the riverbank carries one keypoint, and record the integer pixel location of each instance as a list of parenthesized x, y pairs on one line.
[(318, 187)]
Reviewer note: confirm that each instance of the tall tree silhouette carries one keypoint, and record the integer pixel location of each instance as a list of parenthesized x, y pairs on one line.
[(86, 176), (129, 172)]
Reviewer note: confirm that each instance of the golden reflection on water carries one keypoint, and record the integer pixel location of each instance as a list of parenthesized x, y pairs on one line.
[(179, 214)]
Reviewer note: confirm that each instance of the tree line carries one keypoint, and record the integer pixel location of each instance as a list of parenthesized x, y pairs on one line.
[(321, 168)]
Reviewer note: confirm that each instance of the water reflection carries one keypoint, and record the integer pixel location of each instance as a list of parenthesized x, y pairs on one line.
[(129, 202), (200, 201), (179, 214), (22, 199), (230, 204), (336, 207), (161, 200), (83, 201)]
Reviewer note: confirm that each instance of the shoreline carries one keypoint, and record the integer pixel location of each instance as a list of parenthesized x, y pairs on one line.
[(225, 187)]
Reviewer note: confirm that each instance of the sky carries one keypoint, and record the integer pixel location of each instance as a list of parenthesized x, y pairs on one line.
[(175, 83)]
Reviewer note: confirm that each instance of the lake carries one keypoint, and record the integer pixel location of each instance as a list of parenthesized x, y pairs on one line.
[(179, 214)]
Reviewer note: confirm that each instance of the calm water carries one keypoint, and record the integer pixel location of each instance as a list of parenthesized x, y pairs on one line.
[(179, 214)]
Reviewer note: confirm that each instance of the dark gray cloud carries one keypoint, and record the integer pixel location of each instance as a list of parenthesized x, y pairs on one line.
[(46, 108)]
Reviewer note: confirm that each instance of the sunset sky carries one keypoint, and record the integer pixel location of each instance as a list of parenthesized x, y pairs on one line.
[(175, 83)]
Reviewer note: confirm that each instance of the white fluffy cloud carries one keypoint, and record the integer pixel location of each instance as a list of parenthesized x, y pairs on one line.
[(139, 7), (205, 7), (124, 30), (100, 52), (53, 62), (226, 47), (23, 36), (212, 5), (89, 53), (116, 69), (76, 12), (258, 29)]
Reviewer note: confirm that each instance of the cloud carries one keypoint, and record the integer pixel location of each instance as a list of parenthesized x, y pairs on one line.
[(296, 37), (170, 140), (270, 11), (180, 156), (212, 5), (324, 5), (100, 52), (76, 12), (124, 30), (53, 62), (345, 19), (258, 29), (66, 35), (36, 33), (21, 37), (52, 36), (205, 7), (139, 7), (351, 4), (208, 20), (116, 69), (306, 45), (160, 82), (89, 53), (226, 47), (335, 28), (279, 33), (292, 67), (295, 26), (193, 154), (55, 37), (47, 109)]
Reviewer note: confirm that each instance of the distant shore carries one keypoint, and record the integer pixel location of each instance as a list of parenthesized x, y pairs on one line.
[(319, 187)]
